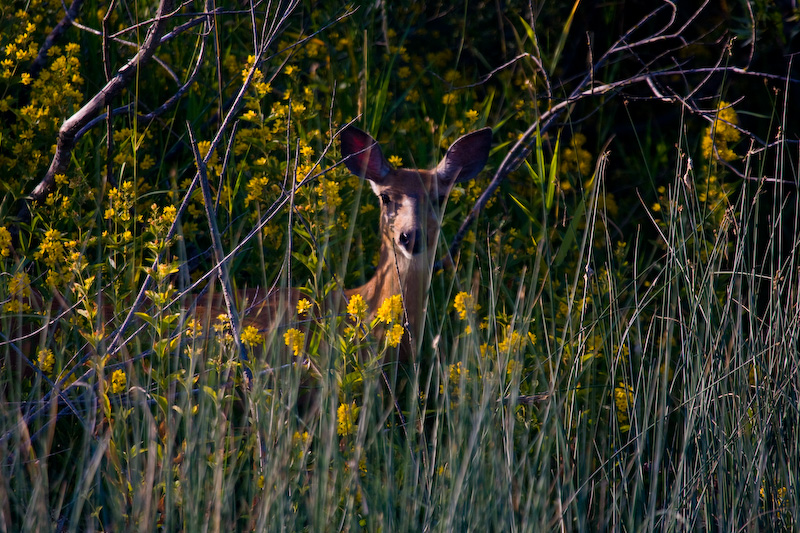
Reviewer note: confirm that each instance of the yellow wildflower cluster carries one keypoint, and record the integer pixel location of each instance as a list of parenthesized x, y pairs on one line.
[(261, 87), (575, 158), (357, 308), (465, 305), (23, 48), (223, 326), (623, 398), (51, 252), (328, 192), (303, 306), (19, 289), (455, 374), (295, 340), (120, 203), (391, 310), (118, 381), (487, 350), (257, 188), (306, 166), (194, 328), (511, 341), (5, 242), (50, 94), (395, 335), (721, 134), (300, 444), (391, 313), (251, 337), (159, 223), (346, 416), (127, 142), (46, 360), (778, 494), (213, 166), (456, 371)]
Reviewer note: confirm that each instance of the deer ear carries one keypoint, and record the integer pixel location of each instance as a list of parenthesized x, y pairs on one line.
[(363, 155), (466, 157)]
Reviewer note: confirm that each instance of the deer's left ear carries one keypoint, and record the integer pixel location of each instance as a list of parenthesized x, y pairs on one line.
[(363, 155), (466, 157)]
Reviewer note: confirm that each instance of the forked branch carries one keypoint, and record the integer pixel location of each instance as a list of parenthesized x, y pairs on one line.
[(67, 134)]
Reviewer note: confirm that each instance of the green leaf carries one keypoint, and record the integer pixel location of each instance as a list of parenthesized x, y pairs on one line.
[(553, 176), (570, 236), (147, 318), (562, 41)]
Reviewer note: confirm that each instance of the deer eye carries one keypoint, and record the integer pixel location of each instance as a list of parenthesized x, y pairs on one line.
[(385, 199)]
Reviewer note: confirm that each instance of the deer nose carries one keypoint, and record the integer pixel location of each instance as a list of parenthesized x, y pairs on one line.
[(411, 241)]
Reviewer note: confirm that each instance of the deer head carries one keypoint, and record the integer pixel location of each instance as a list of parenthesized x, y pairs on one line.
[(411, 198)]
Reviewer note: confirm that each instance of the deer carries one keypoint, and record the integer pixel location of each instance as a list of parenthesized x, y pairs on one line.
[(411, 205)]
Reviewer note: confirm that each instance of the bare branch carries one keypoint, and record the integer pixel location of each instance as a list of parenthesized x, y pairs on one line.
[(67, 132), (522, 148), (216, 243)]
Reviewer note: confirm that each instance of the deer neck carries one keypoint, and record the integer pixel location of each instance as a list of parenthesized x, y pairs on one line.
[(398, 274)]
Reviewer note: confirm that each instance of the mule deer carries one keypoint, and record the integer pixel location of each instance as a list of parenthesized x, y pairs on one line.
[(411, 203), (411, 210)]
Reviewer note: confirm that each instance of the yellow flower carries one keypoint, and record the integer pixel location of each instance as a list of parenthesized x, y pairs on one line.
[(391, 310), (487, 349), (256, 188), (118, 381), (19, 288), (395, 335), (512, 365), (465, 304), (396, 161), (223, 324), (511, 341), (46, 360), (303, 306), (194, 328), (623, 398), (720, 134), (357, 307), (5, 242), (575, 158), (328, 190), (295, 339), (472, 115), (346, 416), (456, 370), (250, 336)]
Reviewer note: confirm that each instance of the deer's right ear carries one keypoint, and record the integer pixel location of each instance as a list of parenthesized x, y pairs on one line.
[(363, 156), (466, 157)]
